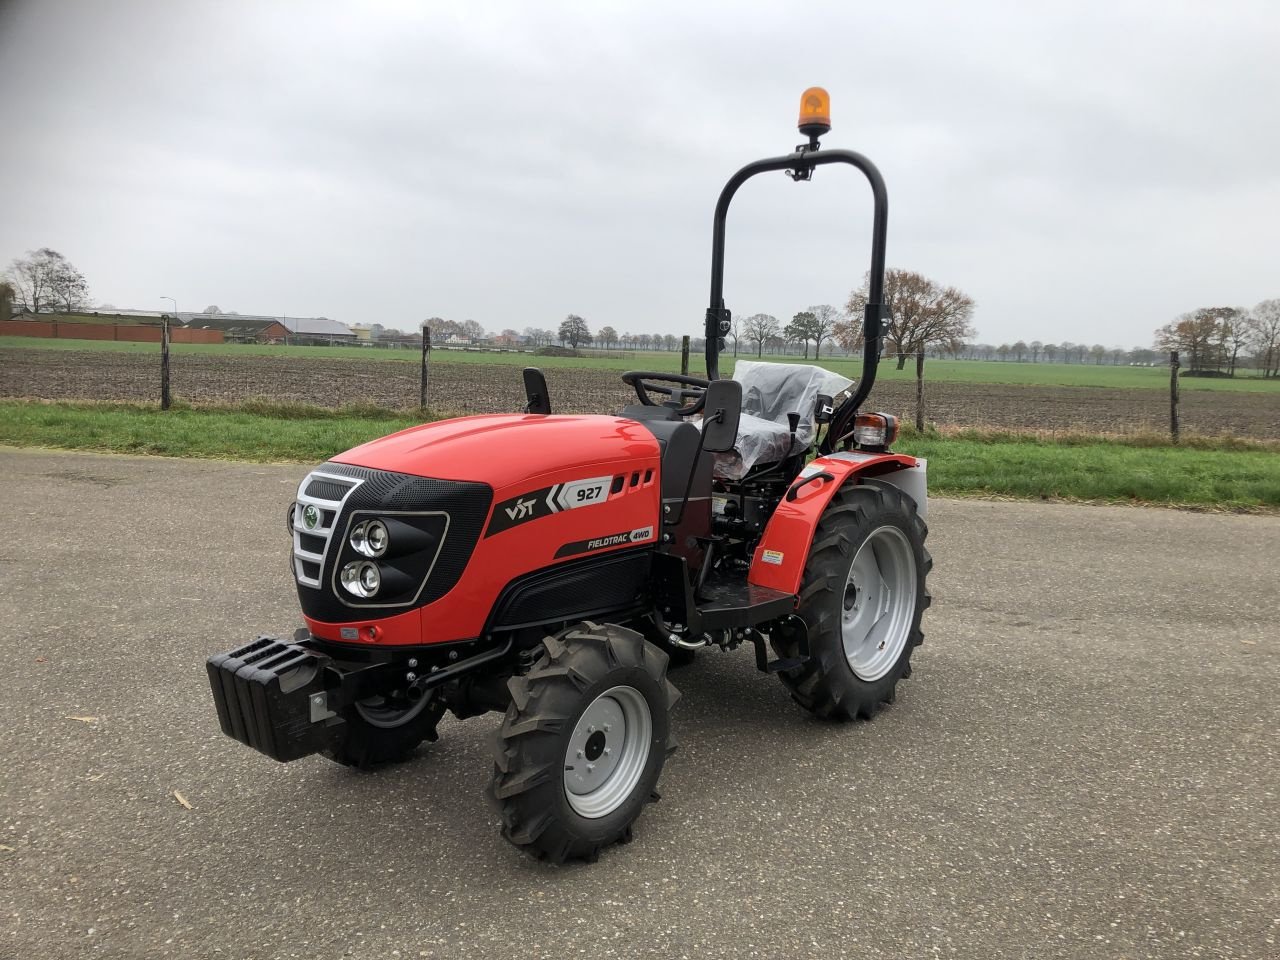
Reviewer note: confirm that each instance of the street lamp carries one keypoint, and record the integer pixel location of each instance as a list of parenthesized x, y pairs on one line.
[(164, 354)]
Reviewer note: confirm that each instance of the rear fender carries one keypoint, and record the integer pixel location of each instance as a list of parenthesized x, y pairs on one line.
[(780, 557)]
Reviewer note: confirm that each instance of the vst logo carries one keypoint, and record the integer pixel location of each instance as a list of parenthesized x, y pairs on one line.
[(522, 510)]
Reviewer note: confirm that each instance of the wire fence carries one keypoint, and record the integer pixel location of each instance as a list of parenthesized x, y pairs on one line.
[(392, 378)]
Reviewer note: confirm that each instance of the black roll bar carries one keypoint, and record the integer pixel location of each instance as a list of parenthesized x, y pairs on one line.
[(801, 164)]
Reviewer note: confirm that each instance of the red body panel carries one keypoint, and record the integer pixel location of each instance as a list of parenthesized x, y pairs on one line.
[(515, 454), (789, 534)]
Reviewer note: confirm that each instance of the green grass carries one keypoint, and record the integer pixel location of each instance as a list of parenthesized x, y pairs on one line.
[(1206, 473), (253, 432), (1226, 474), (962, 371)]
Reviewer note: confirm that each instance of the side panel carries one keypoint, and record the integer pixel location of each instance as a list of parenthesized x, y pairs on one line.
[(780, 557)]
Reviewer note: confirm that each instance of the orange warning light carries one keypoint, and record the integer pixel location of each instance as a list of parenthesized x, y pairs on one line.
[(815, 112)]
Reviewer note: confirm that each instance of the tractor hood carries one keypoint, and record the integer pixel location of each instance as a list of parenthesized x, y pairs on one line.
[(503, 449)]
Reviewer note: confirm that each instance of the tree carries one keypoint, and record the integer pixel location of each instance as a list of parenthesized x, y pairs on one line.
[(1264, 336), (758, 328), (212, 310), (6, 299), (1019, 350), (921, 312), (1201, 336), (472, 330), (1050, 351), (574, 331), (46, 278), (825, 317), (802, 328), (1098, 352), (607, 337), (736, 327), (1036, 349)]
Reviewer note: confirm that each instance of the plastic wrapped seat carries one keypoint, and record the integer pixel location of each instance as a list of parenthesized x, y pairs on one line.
[(770, 391)]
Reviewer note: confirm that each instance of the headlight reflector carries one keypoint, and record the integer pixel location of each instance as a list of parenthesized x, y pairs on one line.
[(361, 578), (370, 538)]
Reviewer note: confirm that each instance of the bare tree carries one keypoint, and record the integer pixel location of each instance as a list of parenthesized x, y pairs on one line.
[(1050, 352), (574, 331), (759, 328), (825, 317), (921, 313), (1036, 349), (46, 278), (607, 337), (1264, 336), (1019, 350), (6, 300)]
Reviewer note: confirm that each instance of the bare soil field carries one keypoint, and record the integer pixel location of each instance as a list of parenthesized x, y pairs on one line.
[(480, 388)]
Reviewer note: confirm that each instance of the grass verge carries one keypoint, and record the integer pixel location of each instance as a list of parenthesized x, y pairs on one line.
[(1204, 473)]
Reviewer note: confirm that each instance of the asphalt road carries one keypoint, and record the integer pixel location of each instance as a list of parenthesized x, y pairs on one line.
[(1085, 764)]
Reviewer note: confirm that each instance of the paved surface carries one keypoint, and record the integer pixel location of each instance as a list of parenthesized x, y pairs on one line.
[(1086, 763)]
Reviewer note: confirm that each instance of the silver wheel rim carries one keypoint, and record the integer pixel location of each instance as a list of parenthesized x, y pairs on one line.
[(608, 752), (379, 712), (879, 603)]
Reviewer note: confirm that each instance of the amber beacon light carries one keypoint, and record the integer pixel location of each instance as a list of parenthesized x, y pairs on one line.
[(815, 112)]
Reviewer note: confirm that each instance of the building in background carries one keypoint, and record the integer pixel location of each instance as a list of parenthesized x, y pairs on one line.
[(243, 329)]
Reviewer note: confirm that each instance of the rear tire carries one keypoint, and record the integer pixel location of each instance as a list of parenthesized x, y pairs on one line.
[(583, 743), (862, 596), (380, 731)]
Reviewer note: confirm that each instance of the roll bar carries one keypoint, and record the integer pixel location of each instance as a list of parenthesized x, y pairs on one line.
[(800, 166)]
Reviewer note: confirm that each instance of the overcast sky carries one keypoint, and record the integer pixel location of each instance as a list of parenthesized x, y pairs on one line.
[(1084, 171)]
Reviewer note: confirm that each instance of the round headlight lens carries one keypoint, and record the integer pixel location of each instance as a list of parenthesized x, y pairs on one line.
[(377, 537), (361, 578), (370, 538)]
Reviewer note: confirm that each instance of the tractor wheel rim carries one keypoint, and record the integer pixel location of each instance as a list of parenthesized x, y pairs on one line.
[(879, 603), (388, 714), (607, 752)]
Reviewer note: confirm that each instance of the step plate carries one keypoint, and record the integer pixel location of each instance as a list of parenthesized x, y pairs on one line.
[(729, 605)]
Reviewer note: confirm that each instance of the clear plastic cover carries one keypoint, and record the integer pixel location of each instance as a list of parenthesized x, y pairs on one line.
[(770, 391)]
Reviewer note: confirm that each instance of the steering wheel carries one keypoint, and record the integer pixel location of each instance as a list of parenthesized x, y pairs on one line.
[(646, 382)]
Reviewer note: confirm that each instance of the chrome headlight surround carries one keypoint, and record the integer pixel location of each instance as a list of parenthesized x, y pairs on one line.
[(370, 538)]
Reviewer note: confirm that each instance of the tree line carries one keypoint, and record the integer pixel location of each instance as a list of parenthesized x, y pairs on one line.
[(926, 319), (1215, 341)]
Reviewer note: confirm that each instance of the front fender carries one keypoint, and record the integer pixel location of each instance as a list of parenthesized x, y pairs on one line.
[(783, 550)]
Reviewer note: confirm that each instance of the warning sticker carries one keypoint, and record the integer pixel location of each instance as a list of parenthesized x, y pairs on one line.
[(772, 556)]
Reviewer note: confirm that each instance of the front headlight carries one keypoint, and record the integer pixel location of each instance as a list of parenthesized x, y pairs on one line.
[(361, 578), (370, 538)]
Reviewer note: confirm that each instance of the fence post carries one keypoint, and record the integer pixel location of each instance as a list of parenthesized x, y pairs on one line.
[(164, 362), (1173, 394), (426, 360), (684, 355), (920, 391)]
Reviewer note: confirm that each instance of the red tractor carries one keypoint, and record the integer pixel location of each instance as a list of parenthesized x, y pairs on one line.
[(551, 566)]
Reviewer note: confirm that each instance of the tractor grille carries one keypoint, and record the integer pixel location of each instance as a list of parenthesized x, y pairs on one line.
[(345, 493), (326, 493)]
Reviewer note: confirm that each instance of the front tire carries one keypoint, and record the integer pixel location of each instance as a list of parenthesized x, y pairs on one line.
[(385, 730), (862, 596), (583, 743)]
